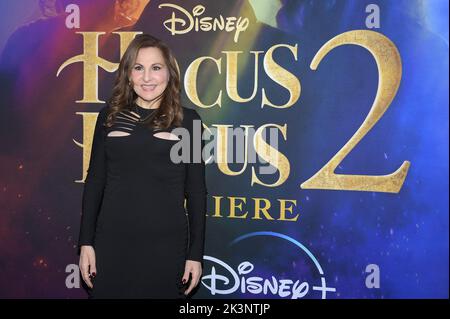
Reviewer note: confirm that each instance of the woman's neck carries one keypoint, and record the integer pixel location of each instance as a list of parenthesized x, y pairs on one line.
[(147, 105)]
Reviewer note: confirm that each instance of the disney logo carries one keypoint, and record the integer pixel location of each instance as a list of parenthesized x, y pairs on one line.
[(181, 25), (224, 280)]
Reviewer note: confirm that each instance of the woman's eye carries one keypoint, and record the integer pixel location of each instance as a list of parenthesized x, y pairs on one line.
[(138, 68), (156, 68)]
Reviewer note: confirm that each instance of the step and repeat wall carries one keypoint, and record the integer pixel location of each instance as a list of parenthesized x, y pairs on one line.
[(328, 122)]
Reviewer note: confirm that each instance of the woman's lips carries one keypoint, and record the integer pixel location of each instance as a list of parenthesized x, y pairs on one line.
[(148, 87)]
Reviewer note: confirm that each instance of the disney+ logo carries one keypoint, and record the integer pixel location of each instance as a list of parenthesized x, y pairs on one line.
[(224, 280)]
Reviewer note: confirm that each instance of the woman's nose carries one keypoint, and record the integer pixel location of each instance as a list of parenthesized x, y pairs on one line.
[(147, 75)]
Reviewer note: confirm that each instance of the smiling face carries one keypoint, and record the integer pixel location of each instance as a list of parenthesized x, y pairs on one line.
[(149, 77)]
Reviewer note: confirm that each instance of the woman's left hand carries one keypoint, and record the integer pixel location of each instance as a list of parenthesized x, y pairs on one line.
[(194, 268)]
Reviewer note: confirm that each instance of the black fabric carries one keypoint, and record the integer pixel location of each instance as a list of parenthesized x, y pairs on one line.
[(133, 211)]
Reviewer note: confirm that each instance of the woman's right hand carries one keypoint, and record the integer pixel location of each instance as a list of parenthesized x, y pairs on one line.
[(87, 264)]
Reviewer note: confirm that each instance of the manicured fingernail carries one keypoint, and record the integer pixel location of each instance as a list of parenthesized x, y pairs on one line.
[(93, 274), (184, 281)]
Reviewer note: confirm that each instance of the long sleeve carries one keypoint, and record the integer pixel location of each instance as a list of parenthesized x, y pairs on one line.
[(196, 191), (94, 184)]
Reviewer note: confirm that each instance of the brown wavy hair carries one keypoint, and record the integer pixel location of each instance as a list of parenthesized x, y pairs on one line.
[(170, 112)]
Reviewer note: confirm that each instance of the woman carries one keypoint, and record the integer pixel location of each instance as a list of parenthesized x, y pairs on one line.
[(136, 239)]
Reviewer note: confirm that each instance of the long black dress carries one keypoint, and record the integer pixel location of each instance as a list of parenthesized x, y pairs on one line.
[(133, 211)]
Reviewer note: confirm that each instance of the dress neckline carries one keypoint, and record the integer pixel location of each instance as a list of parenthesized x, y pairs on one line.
[(143, 112)]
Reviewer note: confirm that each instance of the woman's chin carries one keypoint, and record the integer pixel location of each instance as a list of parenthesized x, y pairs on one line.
[(148, 97)]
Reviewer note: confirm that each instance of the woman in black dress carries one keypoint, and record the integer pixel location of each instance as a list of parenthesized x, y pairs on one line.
[(136, 238)]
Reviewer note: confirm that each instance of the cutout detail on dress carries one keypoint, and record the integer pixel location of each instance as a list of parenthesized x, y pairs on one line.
[(166, 136), (118, 133)]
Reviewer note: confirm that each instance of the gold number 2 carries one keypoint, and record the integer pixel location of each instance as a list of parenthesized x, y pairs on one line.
[(389, 66)]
